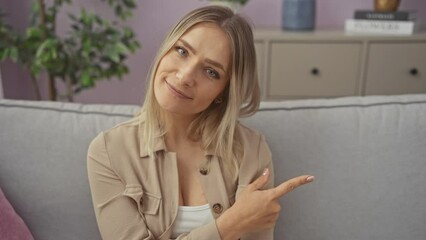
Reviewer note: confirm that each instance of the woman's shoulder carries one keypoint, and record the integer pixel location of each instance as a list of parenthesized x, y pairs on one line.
[(248, 134), (256, 154), (117, 141), (122, 133), (128, 125), (251, 140)]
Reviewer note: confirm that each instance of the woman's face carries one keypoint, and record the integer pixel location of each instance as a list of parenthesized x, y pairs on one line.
[(195, 71)]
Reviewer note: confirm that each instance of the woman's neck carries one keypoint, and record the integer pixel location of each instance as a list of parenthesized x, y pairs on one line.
[(177, 130)]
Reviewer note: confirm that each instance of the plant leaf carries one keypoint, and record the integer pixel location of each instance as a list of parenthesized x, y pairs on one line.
[(14, 54), (5, 54), (86, 80), (121, 48)]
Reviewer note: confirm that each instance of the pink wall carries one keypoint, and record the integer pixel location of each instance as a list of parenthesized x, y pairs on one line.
[(152, 20)]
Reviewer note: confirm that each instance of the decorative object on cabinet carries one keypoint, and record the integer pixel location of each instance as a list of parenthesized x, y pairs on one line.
[(375, 22), (408, 15), (386, 5), (324, 64), (381, 27), (298, 14)]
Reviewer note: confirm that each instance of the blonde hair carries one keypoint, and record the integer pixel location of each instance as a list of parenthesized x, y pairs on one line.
[(215, 126)]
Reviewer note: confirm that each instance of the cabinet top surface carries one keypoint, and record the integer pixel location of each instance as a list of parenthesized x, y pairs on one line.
[(278, 34)]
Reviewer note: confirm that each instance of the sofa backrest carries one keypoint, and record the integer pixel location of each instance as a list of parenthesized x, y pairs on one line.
[(368, 155), (43, 148)]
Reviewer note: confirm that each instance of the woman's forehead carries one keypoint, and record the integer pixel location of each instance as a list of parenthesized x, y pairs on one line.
[(210, 39)]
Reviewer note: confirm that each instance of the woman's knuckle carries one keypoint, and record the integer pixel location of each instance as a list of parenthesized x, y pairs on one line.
[(271, 195), (278, 208), (276, 217)]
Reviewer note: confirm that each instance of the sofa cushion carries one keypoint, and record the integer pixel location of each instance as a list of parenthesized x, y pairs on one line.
[(12, 227), (43, 150), (368, 156)]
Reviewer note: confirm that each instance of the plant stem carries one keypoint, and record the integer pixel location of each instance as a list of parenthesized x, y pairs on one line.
[(52, 85), (52, 88), (42, 14), (36, 87), (70, 92)]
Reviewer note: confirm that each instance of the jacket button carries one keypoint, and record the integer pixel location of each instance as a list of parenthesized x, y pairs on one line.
[(204, 171), (217, 208)]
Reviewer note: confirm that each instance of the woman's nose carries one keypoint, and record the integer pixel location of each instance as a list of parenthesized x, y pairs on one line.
[(186, 74)]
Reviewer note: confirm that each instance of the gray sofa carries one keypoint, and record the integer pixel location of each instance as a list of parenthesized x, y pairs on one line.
[(368, 155)]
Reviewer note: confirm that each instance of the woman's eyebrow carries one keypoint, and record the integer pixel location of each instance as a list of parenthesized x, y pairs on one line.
[(187, 45), (212, 62), (216, 64)]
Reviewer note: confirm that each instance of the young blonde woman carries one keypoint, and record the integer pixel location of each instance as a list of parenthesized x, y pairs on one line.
[(185, 168)]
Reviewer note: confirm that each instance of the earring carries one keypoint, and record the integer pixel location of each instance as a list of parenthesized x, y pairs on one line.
[(218, 100)]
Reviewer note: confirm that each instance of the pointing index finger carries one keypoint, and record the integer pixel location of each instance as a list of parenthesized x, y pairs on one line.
[(291, 184)]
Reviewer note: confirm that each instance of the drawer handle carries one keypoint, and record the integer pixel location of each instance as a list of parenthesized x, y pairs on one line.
[(315, 71), (414, 72)]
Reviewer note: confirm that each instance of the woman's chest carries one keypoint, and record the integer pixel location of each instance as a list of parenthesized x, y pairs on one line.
[(164, 183)]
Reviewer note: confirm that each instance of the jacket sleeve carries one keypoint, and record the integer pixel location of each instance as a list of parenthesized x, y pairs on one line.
[(118, 210), (263, 160), (115, 204)]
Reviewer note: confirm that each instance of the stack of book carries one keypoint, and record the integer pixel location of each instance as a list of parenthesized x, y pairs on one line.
[(373, 22)]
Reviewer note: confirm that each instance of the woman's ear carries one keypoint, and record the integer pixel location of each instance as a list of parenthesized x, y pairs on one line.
[(218, 100)]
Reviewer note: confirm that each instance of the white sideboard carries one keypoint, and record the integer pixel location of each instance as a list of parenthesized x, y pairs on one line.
[(333, 64)]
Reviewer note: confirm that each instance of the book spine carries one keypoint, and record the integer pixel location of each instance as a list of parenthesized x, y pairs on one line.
[(390, 16), (379, 27)]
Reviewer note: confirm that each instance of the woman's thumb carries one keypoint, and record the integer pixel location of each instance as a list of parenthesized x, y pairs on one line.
[(261, 181)]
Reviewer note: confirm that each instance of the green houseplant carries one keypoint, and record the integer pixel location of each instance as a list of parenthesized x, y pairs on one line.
[(242, 2), (93, 49), (235, 5)]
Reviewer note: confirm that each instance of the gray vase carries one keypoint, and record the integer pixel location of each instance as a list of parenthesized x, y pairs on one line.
[(298, 15)]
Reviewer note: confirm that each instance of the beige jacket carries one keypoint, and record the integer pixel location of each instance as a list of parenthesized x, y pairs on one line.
[(136, 197)]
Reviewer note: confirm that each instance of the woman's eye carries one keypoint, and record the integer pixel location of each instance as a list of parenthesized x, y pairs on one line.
[(212, 73), (181, 51)]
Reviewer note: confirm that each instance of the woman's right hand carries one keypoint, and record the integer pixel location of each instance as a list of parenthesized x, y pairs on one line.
[(256, 209)]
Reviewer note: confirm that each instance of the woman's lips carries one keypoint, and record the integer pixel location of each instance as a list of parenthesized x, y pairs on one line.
[(176, 92)]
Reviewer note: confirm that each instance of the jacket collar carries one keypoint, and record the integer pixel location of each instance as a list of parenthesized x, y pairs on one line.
[(159, 142)]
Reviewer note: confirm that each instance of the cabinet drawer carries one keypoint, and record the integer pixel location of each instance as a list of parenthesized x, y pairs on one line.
[(396, 68), (313, 69)]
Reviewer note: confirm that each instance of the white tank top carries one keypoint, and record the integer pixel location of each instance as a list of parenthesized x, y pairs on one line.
[(191, 217)]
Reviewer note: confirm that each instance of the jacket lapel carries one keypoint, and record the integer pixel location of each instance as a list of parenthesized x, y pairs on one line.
[(214, 185)]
